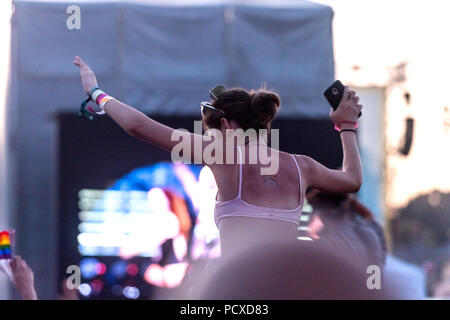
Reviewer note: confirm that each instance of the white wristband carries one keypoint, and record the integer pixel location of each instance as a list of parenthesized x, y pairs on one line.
[(104, 101), (96, 93)]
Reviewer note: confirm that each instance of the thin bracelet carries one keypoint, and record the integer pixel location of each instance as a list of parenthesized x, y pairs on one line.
[(343, 130)]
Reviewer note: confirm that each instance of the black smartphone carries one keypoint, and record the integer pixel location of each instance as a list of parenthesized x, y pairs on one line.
[(334, 94)]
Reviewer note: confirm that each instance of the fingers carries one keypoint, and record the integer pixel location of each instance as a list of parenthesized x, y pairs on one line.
[(77, 61), (13, 263), (352, 96), (25, 265), (17, 262), (80, 63), (346, 94)]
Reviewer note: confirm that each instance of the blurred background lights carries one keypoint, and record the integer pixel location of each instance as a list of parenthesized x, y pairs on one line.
[(85, 290), (131, 292), (97, 286), (116, 290), (119, 269), (88, 267), (109, 278), (132, 269), (100, 268)]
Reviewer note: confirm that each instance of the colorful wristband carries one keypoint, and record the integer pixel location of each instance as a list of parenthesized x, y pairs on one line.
[(96, 94), (337, 128), (100, 98), (104, 100)]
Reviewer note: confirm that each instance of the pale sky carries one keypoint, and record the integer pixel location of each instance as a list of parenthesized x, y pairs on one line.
[(376, 36)]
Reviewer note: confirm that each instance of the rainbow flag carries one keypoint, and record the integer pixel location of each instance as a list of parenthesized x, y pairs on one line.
[(6, 241), (5, 245)]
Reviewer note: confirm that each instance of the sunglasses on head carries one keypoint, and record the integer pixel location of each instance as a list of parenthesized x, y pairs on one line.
[(206, 105), (213, 94)]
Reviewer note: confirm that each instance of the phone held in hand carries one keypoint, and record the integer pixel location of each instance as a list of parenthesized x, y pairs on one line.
[(334, 94)]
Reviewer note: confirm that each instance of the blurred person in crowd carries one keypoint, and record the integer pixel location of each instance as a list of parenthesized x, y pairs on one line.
[(406, 280), (23, 281), (421, 228), (282, 270), (23, 278), (68, 293), (351, 230), (439, 277), (251, 207), (349, 226)]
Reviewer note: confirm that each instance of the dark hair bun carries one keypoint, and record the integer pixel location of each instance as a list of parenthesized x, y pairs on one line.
[(264, 105)]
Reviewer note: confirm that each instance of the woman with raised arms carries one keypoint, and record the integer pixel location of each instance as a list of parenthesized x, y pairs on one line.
[(250, 207)]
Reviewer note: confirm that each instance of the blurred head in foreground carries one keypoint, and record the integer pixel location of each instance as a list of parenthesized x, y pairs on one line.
[(282, 270)]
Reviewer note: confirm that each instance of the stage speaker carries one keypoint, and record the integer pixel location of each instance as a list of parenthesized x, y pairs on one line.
[(408, 137)]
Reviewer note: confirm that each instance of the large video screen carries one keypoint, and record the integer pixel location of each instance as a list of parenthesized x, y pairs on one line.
[(131, 219)]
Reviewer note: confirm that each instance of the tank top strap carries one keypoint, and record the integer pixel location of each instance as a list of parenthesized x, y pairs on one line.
[(240, 172), (299, 176)]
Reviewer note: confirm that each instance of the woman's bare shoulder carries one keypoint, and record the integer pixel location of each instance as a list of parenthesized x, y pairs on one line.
[(304, 161)]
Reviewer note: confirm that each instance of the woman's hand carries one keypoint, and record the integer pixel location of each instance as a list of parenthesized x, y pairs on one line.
[(88, 79), (348, 109)]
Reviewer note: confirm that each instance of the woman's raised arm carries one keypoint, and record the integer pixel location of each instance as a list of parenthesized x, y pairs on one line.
[(349, 179), (136, 123)]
